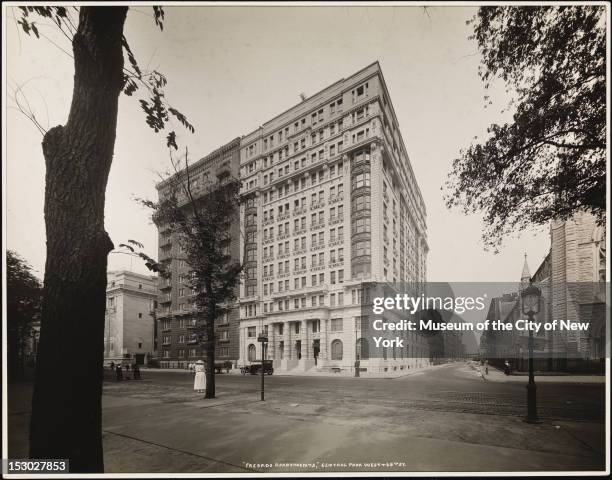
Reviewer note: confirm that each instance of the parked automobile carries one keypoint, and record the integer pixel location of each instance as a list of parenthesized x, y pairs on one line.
[(225, 365), (255, 368)]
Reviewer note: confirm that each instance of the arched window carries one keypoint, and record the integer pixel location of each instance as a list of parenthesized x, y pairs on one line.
[(363, 349), (252, 353), (336, 350)]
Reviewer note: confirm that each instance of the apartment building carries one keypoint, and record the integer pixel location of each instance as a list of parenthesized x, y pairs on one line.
[(129, 329), (177, 343), (330, 203)]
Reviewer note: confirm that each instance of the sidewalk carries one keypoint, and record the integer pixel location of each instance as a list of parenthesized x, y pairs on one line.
[(388, 375), (311, 373), (496, 375)]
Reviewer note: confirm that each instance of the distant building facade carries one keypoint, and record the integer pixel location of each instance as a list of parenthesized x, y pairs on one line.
[(129, 319), (572, 279), (177, 344), (330, 202), (578, 257)]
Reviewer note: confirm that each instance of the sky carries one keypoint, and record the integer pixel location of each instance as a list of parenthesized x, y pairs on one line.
[(231, 69)]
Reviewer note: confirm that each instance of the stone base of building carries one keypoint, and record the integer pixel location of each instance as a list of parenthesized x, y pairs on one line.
[(377, 367), (184, 364)]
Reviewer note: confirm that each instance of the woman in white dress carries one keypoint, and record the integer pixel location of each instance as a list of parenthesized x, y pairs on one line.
[(199, 384)]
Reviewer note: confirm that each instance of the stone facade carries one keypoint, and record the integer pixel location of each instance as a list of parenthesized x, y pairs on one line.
[(330, 202), (129, 324), (578, 282)]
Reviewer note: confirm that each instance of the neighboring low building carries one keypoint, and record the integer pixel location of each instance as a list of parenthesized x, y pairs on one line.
[(129, 324), (513, 345)]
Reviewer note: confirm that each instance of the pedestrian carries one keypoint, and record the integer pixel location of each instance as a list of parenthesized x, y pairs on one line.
[(136, 372), (119, 372), (199, 384), (112, 366)]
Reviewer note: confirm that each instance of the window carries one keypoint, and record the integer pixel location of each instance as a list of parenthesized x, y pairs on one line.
[(361, 180), (336, 350), (361, 203), (361, 248), (252, 353), (251, 332), (336, 325), (361, 225)]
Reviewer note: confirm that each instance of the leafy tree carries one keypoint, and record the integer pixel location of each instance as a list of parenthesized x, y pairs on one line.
[(23, 302), (66, 406), (549, 162), (204, 221)]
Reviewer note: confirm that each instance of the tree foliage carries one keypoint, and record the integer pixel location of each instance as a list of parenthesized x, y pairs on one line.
[(203, 221), (23, 303), (550, 161), (154, 104)]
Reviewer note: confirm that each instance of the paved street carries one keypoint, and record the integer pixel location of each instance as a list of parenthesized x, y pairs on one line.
[(443, 418)]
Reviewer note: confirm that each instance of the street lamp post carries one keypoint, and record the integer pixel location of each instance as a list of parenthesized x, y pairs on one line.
[(264, 340), (531, 306)]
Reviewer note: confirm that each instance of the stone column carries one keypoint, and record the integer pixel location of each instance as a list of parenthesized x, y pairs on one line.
[(271, 339), (324, 342), (287, 338), (304, 338), (309, 339)]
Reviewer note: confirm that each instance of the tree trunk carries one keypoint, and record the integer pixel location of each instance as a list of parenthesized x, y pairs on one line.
[(210, 355), (67, 405)]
